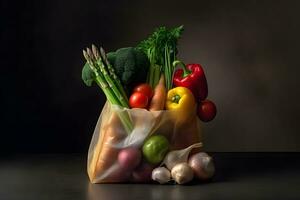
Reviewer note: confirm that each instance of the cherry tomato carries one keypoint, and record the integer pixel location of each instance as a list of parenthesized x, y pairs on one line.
[(145, 89), (138, 100), (207, 110)]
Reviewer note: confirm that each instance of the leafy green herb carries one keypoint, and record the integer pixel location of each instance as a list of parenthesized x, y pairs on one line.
[(161, 49)]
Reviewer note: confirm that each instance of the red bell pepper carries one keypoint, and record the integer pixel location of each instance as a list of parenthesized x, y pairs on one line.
[(192, 77)]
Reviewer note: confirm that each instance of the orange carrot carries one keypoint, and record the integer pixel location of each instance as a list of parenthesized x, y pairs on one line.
[(159, 96), (105, 154)]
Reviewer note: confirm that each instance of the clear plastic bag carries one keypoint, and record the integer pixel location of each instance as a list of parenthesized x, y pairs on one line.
[(110, 137)]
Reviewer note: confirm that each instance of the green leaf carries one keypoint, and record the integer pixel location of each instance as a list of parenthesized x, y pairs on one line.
[(87, 75), (161, 49)]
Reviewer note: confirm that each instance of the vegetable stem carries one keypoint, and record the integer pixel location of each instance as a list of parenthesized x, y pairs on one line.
[(186, 72), (156, 75), (113, 74), (106, 83), (161, 49), (98, 60)]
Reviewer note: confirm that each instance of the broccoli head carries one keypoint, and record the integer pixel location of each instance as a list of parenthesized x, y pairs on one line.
[(131, 65)]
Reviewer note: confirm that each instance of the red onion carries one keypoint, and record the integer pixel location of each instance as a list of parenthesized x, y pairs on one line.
[(129, 158), (142, 174)]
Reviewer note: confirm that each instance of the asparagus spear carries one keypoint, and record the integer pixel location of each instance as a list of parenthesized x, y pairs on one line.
[(108, 91), (98, 60), (100, 80), (113, 74)]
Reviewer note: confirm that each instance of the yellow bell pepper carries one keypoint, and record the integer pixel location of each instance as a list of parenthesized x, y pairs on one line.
[(181, 100)]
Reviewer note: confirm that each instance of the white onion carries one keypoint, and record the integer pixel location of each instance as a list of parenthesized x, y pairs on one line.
[(179, 156), (182, 173), (202, 165)]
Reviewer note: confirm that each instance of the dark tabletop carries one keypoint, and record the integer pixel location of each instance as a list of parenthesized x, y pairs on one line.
[(239, 176)]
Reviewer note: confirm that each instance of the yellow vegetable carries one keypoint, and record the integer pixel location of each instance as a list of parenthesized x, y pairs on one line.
[(182, 102)]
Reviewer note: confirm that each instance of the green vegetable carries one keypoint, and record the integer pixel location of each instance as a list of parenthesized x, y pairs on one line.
[(111, 56), (87, 75), (130, 64), (161, 49), (155, 149), (98, 69)]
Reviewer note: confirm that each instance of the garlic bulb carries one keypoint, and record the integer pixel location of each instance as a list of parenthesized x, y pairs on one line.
[(182, 173), (179, 156), (161, 175), (202, 165)]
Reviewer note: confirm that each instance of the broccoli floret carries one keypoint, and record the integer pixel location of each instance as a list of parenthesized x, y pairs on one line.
[(87, 75), (111, 56), (131, 65)]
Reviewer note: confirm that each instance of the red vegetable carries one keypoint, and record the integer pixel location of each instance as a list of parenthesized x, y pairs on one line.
[(192, 77), (138, 100), (207, 110), (129, 158), (145, 89), (142, 173)]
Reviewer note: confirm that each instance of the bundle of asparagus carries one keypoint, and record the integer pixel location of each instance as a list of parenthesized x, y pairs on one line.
[(99, 70)]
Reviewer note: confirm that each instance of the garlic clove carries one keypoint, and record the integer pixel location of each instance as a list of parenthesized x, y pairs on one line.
[(209, 166), (182, 173), (202, 165), (161, 175), (179, 156)]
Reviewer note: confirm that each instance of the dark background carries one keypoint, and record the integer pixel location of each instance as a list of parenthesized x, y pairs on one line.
[(249, 50)]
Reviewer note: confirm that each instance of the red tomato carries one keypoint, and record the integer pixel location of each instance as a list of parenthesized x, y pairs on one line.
[(145, 89), (207, 110), (138, 100)]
